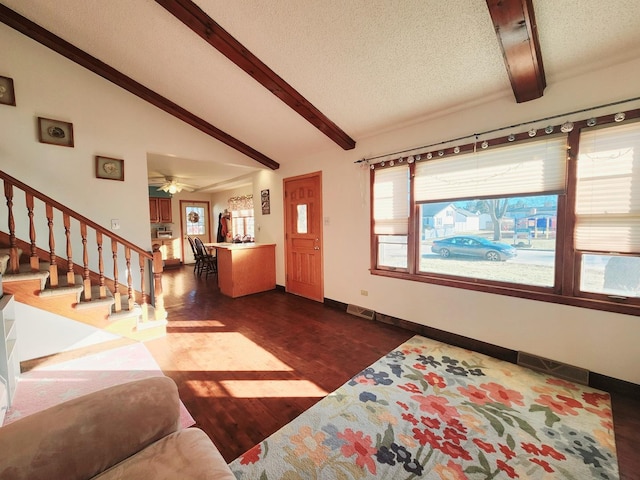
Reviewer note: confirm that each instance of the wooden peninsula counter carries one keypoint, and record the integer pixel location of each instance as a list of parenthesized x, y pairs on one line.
[(245, 268)]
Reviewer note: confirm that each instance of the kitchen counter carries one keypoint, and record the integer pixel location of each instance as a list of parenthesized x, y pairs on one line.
[(245, 268)]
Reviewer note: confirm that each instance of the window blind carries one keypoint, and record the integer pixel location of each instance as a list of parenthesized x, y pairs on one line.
[(608, 190), (391, 201), (531, 167)]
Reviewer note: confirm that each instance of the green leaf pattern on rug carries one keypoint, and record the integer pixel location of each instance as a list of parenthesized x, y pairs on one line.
[(429, 410)]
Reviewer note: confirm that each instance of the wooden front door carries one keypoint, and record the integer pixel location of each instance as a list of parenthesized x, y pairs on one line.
[(303, 236)]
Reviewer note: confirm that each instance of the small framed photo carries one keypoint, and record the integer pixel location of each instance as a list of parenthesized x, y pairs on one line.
[(110, 168), (7, 93), (55, 132), (265, 200)]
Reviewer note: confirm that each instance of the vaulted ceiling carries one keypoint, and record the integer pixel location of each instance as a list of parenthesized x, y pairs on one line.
[(276, 79)]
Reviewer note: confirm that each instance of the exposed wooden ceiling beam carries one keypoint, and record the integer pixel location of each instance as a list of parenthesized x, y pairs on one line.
[(66, 49), (515, 26), (202, 24)]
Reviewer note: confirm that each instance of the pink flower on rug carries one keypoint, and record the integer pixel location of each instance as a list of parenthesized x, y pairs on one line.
[(543, 464), (508, 469), (427, 437), (595, 398), (507, 452), (451, 471), (477, 396), (503, 395), (410, 387), (436, 405), (562, 383), (435, 380), (487, 447), (361, 446), (251, 456), (310, 445), (453, 435), (432, 423), (549, 451), (561, 405), (410, 418), (454, 451)]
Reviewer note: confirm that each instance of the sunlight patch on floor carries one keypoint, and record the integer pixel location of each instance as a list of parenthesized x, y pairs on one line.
[(266, 388), (226, 352)]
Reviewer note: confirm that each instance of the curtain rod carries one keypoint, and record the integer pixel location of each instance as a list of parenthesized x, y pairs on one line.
[(476, 135)]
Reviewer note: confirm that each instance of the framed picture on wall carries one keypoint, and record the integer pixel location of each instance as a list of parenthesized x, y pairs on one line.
[(55, 132), (7, 93), (265, 201), (109, 168)]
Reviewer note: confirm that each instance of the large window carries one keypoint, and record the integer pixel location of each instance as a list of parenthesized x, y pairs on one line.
[(514, 216)]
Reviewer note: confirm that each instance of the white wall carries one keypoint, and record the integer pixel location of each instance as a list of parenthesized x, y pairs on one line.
[(111, 122)]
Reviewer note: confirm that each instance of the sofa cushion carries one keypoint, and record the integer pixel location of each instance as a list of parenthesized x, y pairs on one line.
[(186, 454), (82, 437)]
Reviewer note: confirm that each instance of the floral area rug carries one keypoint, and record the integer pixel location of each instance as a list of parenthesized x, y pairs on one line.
[(433, 411), (46, 386)]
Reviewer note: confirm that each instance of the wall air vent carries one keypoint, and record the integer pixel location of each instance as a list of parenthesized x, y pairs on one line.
[(361, 312), (551, 367)]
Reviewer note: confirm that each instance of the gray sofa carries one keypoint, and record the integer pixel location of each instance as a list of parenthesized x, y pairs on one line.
[(127, 431)]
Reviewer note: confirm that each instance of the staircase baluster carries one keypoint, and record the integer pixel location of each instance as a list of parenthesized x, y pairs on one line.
[(116, 286), (145, 308), (131, 299), (71, 277), (53, 267), (34, 261), (103, 289), (14, 259), (160, 313), (86, 282)]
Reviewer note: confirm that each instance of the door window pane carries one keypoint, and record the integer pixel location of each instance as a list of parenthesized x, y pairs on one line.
[(195, 220), (301, 224)]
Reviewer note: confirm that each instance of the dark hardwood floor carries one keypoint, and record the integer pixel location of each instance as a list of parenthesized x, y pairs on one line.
[(246, 367)]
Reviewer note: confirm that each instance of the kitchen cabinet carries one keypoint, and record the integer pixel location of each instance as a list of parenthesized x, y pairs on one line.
[(245, 268), (160, 210)]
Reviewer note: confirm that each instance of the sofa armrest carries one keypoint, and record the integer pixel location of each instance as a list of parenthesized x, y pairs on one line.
[(80, 438)]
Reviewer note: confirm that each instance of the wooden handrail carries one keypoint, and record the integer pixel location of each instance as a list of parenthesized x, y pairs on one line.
[(145, 257)]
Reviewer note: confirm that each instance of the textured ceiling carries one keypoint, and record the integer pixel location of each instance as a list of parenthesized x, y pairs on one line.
[(368, 65)]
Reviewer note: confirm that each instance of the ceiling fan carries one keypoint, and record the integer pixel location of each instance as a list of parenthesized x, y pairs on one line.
[(170, 184)]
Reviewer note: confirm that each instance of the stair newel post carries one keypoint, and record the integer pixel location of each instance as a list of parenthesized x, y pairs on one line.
[(71, 278), (53, 267), (130, 301), (145, 309), (14, 260), (117, 306), (34, 261), (160, 313), (86, 279), (103, 288)]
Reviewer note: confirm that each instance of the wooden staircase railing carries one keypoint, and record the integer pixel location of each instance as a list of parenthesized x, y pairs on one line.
[(149, 264)]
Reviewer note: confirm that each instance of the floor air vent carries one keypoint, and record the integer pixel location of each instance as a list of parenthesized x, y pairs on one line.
[(361, 312), (551, 367)]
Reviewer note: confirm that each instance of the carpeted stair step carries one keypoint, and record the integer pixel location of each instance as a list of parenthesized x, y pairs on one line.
[(26, 273), (95, 301), (4, 258)]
